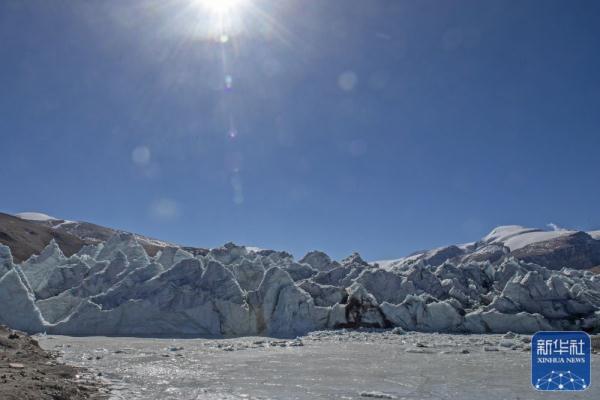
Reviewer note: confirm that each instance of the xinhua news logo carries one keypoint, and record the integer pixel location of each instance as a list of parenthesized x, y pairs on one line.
[(561, 361)]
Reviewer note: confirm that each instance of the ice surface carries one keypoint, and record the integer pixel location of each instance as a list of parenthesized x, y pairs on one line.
[(322, 365)]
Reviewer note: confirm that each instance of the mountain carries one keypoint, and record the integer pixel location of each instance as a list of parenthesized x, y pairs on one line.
[(553, 249), (28, 233), (28, 237)]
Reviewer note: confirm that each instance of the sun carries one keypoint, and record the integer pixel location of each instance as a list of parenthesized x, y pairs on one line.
[(221, 7), (219, 20)]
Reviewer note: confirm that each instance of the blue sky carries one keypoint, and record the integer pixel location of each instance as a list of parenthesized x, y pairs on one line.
[(378, 126)]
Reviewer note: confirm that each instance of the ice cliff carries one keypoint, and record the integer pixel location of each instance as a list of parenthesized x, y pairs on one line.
[(115, 288)]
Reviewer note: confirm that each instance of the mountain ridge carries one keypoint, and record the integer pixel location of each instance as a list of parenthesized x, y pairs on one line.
[(553, 248)]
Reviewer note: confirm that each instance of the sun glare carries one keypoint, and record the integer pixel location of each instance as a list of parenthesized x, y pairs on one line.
[(221, 7)]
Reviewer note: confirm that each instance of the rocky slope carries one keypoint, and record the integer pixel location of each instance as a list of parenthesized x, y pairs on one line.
[(28, 233), (553, 249), (26, 238), (29, 373), (117, 288)]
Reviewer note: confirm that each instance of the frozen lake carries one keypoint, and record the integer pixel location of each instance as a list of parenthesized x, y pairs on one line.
[(326, 365)]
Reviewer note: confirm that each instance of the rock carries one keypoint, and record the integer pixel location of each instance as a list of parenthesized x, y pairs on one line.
[(362, 308), (576, 250)]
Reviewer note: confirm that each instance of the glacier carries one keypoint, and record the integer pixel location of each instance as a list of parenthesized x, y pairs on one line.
[(114, 288)]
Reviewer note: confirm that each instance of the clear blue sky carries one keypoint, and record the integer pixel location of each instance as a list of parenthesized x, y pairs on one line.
[(378, 126)]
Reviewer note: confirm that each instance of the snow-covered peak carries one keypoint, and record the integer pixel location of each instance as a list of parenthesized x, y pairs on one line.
[(516, 237), (35, 216), (501, 234), (501, 240)]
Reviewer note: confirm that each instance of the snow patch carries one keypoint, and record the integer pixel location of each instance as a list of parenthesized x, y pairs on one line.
[(35, 216), (516, 237), (253, 249)]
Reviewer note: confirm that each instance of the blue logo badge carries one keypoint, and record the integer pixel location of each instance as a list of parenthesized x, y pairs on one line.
[(560, 361)]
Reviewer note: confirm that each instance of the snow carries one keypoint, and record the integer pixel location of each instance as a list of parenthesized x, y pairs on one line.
[(524, 239), (516, 237), (388, 264), (65, 222), (595, 234), (501, 234), (466, 246), (35, 216), (253, 249), (385, 264), (154, 242)]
